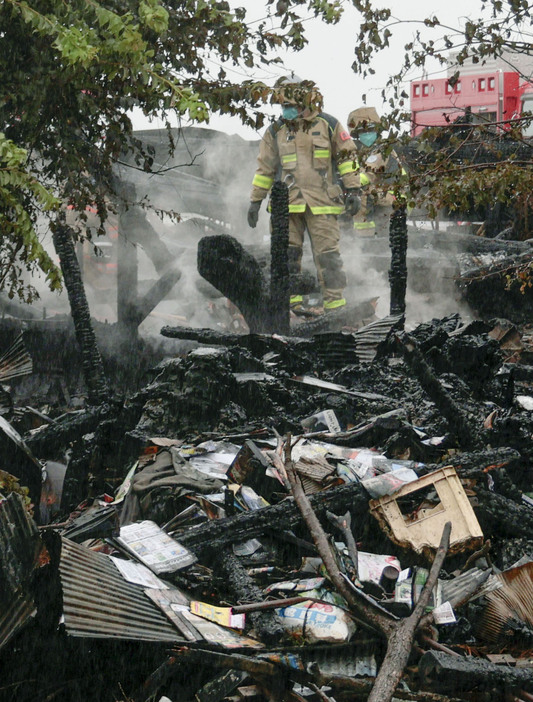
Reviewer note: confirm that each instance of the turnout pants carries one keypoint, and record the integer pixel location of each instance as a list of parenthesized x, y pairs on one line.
[(324, 236)]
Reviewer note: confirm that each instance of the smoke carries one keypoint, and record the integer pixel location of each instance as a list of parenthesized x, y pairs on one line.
[(204, 188), (431, 290)]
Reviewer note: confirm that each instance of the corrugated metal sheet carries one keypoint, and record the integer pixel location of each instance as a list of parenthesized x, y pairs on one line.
[(512, 603), (20, 547), (16, 361), (353, 660), (368, 338), (337, 349), (458, 590), (99, 603)]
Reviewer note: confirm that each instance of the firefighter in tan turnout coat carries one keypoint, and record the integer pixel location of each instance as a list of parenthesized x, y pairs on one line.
[(308, 149), (376, 172)]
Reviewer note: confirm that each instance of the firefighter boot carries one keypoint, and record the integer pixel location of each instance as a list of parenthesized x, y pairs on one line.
[(295, 263), (334, 280)]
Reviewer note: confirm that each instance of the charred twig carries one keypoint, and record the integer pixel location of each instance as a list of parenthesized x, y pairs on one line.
[(274, 604), (424, 638), (482, 553), (344, 525)]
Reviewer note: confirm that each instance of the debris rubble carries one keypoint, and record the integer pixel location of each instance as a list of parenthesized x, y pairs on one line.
[(345, 516)]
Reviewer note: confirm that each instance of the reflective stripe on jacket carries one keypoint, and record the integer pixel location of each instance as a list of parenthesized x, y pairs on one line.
[(306, 155)]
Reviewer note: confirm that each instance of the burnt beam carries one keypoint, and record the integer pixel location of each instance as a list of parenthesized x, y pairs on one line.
[(220, 533), (398, 264), (224, 263), (157, 292), (279, 263)]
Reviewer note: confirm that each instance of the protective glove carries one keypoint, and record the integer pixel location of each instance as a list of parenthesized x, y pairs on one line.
[(253, 213), (352, 202)]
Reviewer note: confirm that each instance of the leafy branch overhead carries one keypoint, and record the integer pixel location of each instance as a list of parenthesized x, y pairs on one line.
[(71, 72), (457, 167)]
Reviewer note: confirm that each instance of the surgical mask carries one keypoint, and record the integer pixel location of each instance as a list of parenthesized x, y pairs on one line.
[(368, 138), (289, 112)]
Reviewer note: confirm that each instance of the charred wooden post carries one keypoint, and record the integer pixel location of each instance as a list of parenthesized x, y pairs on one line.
[(93, 369), (451, 411), (127, 282), (157, 292), (220, 533), (265, 622), (398, 264), (224, 263), (279, 263), (456, 674)]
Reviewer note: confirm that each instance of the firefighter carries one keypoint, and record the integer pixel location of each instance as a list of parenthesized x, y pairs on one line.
[(311, 152), (376, 172)]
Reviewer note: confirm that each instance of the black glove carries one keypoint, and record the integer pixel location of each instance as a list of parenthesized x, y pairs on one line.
[(352, 202), (253, 213)]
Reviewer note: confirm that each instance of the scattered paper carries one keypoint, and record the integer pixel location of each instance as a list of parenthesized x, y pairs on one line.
[(138, 574), (220, 615), (155, 548), (444, 614)]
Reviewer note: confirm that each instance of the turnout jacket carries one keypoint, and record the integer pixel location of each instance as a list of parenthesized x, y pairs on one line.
[(376, 172), (309, 154)]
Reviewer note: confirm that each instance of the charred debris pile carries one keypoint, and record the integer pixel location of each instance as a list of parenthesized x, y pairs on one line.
[(276, 518)]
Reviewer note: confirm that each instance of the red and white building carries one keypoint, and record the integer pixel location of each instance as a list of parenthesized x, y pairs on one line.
[(499, 90)]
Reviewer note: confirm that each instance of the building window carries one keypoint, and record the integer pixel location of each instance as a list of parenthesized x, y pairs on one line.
[(482, 83), (458, 86), (425, 89), (491, 83), (416, 90), (448, 88)]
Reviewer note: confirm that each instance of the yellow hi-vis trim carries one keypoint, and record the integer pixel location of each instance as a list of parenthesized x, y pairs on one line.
[(322, 153), (288, 158), (262, 181), (333, 304), (364, 225), (297, 208), (295, 299), (346, 167), (365, 180), (327, 209)]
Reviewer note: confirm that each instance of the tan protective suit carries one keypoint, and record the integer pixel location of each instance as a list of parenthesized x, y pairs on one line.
[(307, 153), (375, 171)]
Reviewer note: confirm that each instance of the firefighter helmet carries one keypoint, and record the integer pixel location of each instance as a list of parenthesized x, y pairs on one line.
[(293, 90), (362, 118)]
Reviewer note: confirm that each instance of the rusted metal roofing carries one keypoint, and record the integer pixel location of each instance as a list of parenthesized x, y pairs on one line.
[(20, 547), (99, 603), (508, 606)]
